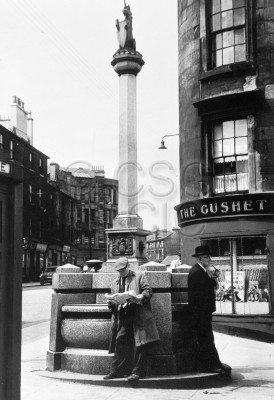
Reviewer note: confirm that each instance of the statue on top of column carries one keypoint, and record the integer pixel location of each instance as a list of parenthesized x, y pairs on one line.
[(124, 30)]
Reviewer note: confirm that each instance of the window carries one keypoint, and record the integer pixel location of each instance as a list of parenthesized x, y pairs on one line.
[(79, 214), (87, 215), (30, 193), (243, 261), (11, 149), (229, 156), (39, 197), (1, 140), (31, 163), (108, 217), (227, 32), (40, 228), (41, 166)]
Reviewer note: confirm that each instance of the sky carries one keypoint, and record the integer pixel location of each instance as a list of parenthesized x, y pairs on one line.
[(55, 56)]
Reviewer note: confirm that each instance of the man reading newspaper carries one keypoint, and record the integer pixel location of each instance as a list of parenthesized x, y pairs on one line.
[(133, 326), (124, 298)]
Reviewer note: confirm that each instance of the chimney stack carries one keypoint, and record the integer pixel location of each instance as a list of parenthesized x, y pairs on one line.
[(54, 170), (30, 127)]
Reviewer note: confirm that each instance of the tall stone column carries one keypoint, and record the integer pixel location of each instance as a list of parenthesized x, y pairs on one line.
[(127, 67), (127, 238)]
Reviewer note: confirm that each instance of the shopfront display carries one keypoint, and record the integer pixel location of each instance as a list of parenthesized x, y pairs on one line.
[(244, 279)]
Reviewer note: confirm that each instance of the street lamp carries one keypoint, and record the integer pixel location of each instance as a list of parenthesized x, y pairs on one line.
[(163, 147)]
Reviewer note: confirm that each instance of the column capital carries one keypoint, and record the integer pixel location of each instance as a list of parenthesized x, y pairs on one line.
[(127, 62)]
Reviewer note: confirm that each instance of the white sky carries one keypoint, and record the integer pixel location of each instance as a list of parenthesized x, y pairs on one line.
[(55, 56)]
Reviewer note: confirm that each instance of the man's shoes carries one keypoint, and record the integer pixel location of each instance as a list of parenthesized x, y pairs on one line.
[(133, 378), (112, 375)]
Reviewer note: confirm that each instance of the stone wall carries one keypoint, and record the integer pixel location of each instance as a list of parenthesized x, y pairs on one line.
[(81, 323)]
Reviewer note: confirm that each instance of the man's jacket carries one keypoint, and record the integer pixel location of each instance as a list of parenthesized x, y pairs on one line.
[(201, 295), (145, 330)]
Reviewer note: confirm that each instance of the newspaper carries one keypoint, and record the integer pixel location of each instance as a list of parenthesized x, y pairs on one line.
[(122, 298)]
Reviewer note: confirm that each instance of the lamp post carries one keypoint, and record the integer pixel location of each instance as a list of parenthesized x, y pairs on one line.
[(163, 147)]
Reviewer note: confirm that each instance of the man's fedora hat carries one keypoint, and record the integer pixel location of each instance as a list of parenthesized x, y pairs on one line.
[(121, 263), (201, 251)]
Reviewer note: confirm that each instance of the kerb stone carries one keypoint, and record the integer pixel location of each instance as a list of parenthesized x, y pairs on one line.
[(161, 365), (86, 361)]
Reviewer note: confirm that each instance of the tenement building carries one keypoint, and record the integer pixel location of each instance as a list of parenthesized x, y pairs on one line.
[(226, 96), (162, 243), (96, 206), (47, 234)]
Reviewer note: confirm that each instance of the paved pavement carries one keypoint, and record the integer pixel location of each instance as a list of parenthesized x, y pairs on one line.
[(30, 284), (252, 365)]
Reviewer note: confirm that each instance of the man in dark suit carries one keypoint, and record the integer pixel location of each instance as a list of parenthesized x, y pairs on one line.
[(201, 298)]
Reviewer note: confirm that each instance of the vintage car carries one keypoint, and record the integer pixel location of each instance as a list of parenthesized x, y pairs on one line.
[(46, 276)]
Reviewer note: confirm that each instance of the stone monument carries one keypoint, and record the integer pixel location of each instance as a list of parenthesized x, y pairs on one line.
[(127, 237), (80, 318)]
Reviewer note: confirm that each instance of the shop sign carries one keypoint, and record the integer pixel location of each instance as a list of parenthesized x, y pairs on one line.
[(4, 167), (41, 247), (226, 207), (66, 249)]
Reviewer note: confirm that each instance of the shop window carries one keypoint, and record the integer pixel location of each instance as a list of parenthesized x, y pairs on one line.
[(229, 156), (227, 32), (50, 257), (243, 283)]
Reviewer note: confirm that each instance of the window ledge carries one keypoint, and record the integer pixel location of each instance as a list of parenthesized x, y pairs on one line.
[(252, 257), (229, 193), (230, 69)]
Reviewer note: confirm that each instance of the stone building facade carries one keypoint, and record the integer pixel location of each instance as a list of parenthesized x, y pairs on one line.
[(163, 243), (226, 100), (96, 206), (48, 230)]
